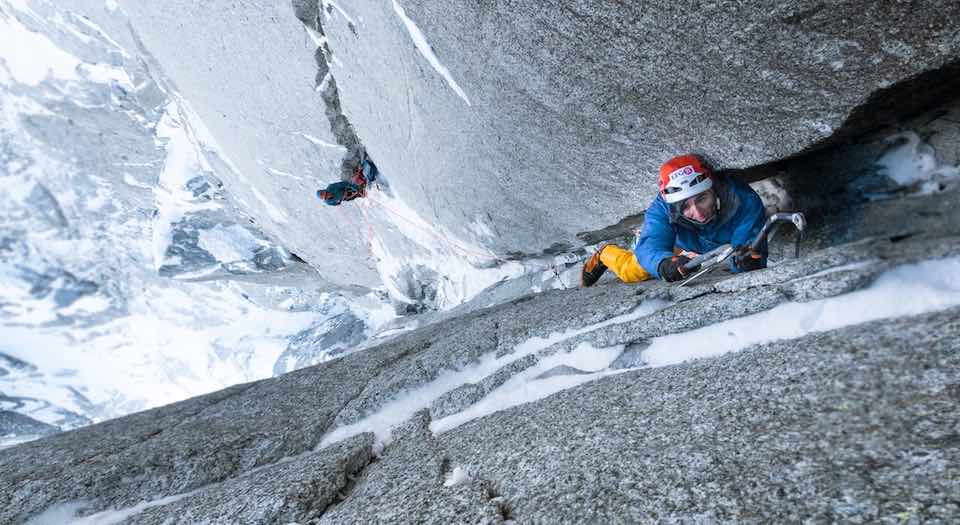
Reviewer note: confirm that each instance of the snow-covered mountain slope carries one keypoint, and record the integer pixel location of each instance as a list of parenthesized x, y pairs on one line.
[(111, 213), (132, 275)]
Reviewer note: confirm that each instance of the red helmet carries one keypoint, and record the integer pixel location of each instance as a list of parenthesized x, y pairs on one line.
[(683, 177)]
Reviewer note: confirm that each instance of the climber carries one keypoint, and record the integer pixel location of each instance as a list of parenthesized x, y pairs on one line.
[(694, 212), (344, 190)]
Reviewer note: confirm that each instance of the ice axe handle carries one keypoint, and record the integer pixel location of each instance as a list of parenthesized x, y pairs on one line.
[(702, 258), (773, 222)]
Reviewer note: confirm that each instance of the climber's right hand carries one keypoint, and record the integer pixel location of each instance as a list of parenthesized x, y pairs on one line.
[(671, 268)]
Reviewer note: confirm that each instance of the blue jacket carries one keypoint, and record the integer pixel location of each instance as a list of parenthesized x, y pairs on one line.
[(739, 220), (342, 191)]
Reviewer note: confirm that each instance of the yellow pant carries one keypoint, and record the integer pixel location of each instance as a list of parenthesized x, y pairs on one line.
[(624, 264)]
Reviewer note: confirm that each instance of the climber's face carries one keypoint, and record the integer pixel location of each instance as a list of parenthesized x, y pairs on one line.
[(701, 208)]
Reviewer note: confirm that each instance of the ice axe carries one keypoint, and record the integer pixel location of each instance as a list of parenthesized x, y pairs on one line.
[(709, 261), (774, 222)]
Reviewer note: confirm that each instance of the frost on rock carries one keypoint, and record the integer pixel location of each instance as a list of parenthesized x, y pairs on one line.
[(455, 477), (912, 163), (425, 49), (904, 291), (774, 194)]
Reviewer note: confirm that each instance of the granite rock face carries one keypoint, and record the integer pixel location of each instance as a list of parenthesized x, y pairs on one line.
[(537, 124), (842, 426), (851, 424), (569, 107), (523, 127)]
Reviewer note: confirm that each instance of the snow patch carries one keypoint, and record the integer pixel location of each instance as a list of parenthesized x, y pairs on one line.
[(44, 59), (455, 261), (229, 244), (403, 406), (173, 199), (457, 476), (824, 128), (11, 440), (318, 142), (106, 74), (903, 291), (323, 85), (67, 513), (316, 36), (912, 162), (527, 386), (426, 50), (131, 181), (859, 265)]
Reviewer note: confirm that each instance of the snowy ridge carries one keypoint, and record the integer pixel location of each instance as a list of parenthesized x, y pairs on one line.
[(406, 405), (903, 291), (87, 337)]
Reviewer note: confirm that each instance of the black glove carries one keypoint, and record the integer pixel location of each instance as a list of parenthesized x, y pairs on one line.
[(671, 268), (747, 260)]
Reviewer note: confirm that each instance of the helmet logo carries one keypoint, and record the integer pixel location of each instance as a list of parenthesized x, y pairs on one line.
[(685, 171)]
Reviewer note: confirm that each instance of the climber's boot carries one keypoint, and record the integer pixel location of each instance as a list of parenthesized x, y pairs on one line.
[(593, 269)]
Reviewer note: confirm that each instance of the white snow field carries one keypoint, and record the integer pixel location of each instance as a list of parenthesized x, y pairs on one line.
[(135, 340)]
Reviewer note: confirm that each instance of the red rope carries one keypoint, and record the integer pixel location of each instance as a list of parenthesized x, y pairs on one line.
[(369, 228)]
